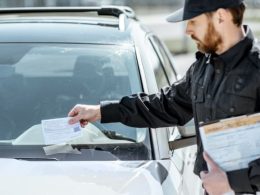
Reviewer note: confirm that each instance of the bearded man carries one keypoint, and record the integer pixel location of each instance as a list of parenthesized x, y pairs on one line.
[(223, 82)]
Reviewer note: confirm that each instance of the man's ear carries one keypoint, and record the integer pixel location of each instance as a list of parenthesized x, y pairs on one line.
[(221, 15)]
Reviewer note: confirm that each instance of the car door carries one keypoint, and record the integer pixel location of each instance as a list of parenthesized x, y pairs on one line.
[(184, 150)]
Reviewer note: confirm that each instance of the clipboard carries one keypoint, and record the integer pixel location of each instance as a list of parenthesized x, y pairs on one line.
[(234, 142)]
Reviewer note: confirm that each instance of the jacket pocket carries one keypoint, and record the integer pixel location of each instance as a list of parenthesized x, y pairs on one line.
[(198, 91), (232, 104), (238, 96), (199, 95)]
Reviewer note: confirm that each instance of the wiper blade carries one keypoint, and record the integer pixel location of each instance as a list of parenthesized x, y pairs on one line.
[(114, 135), (36, 159)]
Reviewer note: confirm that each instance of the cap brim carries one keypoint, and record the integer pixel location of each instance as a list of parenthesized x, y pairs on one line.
[(176, 16), (180, 15)]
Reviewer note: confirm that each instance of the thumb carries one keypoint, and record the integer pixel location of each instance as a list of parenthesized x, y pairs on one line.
[(203, 174), (212, 165)]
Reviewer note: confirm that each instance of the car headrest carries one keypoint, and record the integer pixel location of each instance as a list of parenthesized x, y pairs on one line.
[(89, 65)]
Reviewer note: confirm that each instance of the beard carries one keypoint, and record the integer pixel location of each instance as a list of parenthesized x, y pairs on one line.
[(211, 42)]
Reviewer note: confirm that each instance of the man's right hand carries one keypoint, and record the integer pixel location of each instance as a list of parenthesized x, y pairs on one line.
[(84, 114), (215, 181)]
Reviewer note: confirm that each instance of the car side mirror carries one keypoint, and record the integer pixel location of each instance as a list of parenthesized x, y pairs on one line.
[(187, 136), (188, 130)]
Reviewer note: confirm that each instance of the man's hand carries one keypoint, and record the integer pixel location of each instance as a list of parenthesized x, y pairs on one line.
[(215, 181), (84, 114)]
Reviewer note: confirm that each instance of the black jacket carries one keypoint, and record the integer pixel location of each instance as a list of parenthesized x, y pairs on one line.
[(215, 87)]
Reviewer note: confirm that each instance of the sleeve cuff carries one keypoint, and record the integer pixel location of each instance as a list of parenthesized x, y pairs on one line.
[(109, 111)]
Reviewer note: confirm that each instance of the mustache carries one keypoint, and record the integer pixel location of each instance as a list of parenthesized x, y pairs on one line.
[(195, 38)]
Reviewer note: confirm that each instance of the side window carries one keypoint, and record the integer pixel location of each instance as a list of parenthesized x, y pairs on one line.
[(165, 59), (158, 69)]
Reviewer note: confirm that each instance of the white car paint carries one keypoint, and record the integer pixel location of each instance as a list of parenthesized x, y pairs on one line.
[(88, 177)]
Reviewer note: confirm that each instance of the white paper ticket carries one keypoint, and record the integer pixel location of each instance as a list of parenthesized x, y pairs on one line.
[(56, 131)]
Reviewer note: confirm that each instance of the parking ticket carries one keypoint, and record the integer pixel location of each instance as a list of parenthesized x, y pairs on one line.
[(56, 131)]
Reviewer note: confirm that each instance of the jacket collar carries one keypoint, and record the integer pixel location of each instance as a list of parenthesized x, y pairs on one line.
[(233, 56)]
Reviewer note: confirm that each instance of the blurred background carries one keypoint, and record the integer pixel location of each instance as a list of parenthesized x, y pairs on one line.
[(152, 13)]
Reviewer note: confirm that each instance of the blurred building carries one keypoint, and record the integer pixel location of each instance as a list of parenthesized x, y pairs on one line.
[(31, 3), (132, 3)]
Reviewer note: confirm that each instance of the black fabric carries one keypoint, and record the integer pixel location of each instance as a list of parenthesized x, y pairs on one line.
[(193, 8), (239, 181), (215, 87), (254, 174)]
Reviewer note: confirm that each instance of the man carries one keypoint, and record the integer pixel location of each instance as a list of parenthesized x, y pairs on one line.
[(223, 82)]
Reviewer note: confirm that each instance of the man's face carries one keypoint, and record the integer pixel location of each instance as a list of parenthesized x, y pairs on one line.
[(202, 31)]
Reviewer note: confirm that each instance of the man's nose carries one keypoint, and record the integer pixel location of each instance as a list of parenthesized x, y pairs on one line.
[(188, 30)]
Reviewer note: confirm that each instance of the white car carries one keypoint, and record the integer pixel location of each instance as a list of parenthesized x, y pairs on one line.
[(54, 58)]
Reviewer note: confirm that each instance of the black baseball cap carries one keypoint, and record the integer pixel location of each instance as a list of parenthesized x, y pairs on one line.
[(193, 8)]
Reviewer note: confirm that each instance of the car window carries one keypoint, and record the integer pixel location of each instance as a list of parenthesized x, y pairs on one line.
[(158, 69), (166, 62), (44, 81)]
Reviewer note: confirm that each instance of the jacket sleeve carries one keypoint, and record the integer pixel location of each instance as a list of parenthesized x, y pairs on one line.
[(171, 106)]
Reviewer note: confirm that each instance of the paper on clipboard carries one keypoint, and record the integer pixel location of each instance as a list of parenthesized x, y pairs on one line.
[(233, 143)]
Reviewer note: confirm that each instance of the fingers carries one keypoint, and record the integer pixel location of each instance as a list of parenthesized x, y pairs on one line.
[(78, 118), (212, 165), (75, 114), (85, 113), (75, 119), (83, 123), (74, 111)]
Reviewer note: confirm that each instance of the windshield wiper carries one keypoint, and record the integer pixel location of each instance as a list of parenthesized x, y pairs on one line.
[(36, 159), (115, 135), (112, 134)]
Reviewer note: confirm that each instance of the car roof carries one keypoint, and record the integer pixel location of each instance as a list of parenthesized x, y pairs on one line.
[(94, 25)]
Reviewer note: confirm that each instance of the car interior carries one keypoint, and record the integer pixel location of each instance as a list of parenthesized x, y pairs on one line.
[(26, 100)]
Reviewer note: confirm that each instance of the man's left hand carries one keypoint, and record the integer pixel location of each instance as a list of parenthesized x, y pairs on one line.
[(215, 180)]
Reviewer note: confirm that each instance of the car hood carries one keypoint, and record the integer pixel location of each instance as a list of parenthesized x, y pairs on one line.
[(82, 177)]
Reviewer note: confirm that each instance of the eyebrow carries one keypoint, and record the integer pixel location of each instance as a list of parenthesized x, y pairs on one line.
[(192, 21)]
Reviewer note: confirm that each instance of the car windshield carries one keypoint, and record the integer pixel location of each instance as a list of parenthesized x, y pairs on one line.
[(44, 81)]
